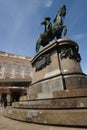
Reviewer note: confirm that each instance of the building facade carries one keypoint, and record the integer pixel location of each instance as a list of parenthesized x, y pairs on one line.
[(14, 68)]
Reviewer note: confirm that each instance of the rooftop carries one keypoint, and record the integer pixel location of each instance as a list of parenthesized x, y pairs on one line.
[(14, 56)]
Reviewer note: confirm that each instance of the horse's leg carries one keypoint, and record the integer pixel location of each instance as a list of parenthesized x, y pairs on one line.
[(38, 43), (64, 30), (37, 46)]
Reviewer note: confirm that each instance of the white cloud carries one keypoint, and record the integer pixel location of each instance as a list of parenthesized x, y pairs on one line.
[(48, 3)]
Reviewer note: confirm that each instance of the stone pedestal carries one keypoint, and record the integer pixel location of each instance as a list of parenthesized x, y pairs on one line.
[(59, 57), (56, 67), (58, 93)]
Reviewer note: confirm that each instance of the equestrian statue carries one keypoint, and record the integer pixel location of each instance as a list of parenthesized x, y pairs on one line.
[(52, 30)]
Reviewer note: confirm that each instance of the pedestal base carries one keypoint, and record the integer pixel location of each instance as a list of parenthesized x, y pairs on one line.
[(58, 93)]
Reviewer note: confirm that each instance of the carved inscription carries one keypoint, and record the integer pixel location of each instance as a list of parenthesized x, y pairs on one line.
[(42, 62)]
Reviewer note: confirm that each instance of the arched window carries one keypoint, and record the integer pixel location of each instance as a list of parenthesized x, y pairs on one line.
[(9, 68), (27, 69), (18, 69)]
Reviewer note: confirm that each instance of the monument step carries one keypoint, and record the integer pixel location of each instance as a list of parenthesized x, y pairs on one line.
[(73, 102), (70, 117), (56, 94)]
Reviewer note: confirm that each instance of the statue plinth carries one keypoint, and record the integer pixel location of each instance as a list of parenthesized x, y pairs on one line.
[(57, 66), (58, 93)]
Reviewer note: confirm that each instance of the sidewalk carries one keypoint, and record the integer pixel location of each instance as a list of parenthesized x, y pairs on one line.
[(9, 124)]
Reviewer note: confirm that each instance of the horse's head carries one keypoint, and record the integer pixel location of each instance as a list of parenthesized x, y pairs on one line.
[(62, 11)]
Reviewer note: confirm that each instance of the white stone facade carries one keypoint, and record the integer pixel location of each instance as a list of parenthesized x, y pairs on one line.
[(14, 66)]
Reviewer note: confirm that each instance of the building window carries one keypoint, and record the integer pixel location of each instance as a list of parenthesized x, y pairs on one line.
[(9, 68), (7, 77), (0, 75), (27, 69), (18, 69), (0, 66)]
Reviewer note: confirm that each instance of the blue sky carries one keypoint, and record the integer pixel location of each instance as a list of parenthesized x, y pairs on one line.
[(20, 24)]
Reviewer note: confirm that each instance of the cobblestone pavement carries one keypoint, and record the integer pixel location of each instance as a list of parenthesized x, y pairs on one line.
[(9, 124)]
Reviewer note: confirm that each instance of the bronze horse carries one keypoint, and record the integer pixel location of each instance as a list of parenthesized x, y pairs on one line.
[(54, 30)]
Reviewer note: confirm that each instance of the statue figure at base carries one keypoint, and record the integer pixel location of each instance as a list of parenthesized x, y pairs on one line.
[(52, 30)]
